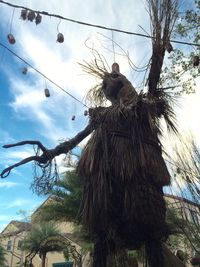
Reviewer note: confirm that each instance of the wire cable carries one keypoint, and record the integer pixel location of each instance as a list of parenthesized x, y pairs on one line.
[(45, 13), (38, 71)]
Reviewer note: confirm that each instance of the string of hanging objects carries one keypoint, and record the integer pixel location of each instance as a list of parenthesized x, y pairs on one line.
[(35, 16)]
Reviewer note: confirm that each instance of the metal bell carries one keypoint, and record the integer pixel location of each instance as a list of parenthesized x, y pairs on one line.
[(11, 38), (38, 19), (60, 38), (24, 14), (46, 92), (73, 117), (31, 15)]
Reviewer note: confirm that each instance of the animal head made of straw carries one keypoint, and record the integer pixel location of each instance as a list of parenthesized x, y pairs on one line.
[(95, 96), (107, 87)]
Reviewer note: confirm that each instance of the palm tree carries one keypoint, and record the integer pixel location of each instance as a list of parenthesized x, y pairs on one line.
[(66, 195), (66, 198), (2, 256), (34, 241)]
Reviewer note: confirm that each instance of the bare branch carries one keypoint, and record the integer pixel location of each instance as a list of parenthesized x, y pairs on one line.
[(6, 171), (48, 154), (27, 142)]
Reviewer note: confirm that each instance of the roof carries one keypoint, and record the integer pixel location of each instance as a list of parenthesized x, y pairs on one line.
[(17, 228)]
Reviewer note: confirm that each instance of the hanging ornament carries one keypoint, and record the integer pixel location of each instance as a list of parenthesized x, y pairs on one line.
[(24, 14), (11, 38), (73, 117), (85, 113), (196, 61), (46, 92), (38, 19), (24, 70), (31, 15), (60, 38), (169, 47)]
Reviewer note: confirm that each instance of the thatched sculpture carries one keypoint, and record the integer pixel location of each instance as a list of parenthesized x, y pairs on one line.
[(122, 165), (123, 172)]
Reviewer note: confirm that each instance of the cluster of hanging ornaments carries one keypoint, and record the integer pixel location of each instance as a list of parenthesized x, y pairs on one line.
[(31, 16)]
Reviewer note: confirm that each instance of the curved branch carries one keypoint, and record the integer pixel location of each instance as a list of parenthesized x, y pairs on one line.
[(6, 171), (27, 142), (48, 154)]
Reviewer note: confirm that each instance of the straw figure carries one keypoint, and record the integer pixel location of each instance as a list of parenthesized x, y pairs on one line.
[(121, 166), (123, 171)]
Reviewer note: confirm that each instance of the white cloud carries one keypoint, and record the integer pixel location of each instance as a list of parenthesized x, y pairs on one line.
[(19, 203), (5, 184), (52, 117)]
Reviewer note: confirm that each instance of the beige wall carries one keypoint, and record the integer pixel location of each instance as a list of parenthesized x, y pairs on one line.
[(14, 254)]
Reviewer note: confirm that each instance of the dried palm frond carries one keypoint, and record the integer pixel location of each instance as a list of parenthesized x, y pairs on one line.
[(96, 68)]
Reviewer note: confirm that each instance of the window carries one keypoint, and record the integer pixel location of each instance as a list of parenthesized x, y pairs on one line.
[(9, 245)]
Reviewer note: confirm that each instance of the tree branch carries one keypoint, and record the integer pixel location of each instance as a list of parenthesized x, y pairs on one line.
[(6, 171), (48, 154), (27, 142)]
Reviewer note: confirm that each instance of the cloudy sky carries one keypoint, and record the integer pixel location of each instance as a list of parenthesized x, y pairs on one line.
[(25, 111)]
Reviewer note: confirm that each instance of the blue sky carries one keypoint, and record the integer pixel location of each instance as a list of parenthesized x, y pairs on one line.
[(27, 114)]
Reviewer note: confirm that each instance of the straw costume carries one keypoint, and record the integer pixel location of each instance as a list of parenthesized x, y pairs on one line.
[(122, 167), (124, 172)]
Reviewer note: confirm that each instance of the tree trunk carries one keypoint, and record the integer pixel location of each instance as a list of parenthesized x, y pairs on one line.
[(43, 259)]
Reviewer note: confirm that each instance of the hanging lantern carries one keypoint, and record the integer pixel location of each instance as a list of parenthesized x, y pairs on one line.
[(85, 113), (38, 19), (169, 47), (24, 14), (46, 92), (196, 61), (11, 38), (31, 15), (73, 117), (60, 38), (24, 70)]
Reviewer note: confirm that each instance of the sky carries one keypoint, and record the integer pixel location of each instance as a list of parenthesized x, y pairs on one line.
[(25, 111)]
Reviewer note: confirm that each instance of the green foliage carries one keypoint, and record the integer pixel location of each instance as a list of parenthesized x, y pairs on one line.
[(66, 196), (38, 234), (179, 70), (63, 206), (185, 234), (2, 257)]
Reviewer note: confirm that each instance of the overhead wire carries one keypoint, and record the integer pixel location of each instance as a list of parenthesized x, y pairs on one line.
[(82, 23), (50, 80), (45, 13), (42, 74)]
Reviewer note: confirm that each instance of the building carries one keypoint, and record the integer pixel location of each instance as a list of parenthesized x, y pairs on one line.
[(15, 231), (12, 236), (189, 213), (10, 239)]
